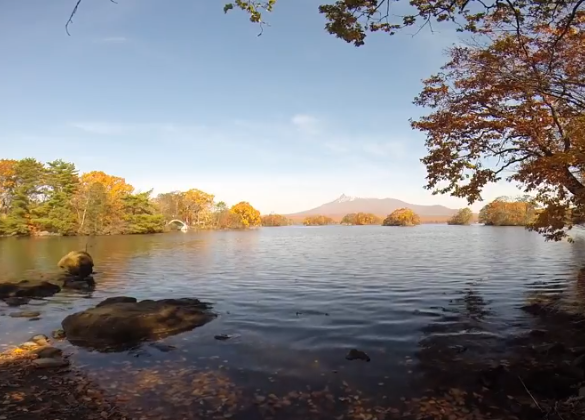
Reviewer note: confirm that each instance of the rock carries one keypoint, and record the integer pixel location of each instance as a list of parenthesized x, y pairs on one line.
[(48, 352), (16, 301), (77, 263), (36, 318), (28, 345), (579, 361), (117, 299), (533, 308), (76, 283), (58, 334), (28, 289), (164, 348), (222, 337), (552, 348), (538, 333), (50, 363), (25, 314), (355, 354), (114, 323), (582, 392), (40, 339)]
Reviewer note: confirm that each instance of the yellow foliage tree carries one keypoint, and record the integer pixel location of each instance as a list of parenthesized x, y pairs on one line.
[(248, 215), (318, 221), (462, 217), (402, 217)]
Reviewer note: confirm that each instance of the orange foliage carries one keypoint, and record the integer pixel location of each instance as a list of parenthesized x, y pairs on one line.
[(402, 217), (6, 181), (248, 215), (512, 110)]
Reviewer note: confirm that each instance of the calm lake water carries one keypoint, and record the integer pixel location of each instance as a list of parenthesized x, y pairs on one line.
[(296, 300)]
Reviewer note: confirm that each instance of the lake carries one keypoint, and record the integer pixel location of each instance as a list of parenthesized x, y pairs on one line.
[(296, 299)]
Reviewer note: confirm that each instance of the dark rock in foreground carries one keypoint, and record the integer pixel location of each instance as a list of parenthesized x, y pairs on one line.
[(122, 322), (28, 289)]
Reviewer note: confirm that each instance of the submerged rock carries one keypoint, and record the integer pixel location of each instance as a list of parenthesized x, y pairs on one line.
[(121, 322), (50, 363), (58, 334), (25, 314), (77, 263), (16, 301), (355, 354), (48, 352), (27, 289)]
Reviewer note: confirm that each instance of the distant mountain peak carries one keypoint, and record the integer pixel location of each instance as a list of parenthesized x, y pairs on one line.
[(344, 199)]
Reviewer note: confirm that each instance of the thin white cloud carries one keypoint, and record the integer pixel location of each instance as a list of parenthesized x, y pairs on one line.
[(103, 128), (306, 123)]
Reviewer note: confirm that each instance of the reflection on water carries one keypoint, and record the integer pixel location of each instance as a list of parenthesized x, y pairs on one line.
[(296, 300)]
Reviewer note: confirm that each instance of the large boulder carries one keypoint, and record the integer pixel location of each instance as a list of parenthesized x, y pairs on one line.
[(77, 263), (122, 322), (28, 289)]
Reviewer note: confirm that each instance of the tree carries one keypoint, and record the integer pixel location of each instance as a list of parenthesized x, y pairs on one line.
[(6, 184), (513, 110), (274, 220), (361, 219), (247, 216), (402, 217), (26, 195), (462, 217), (140, 214), (318, 221), (57, 213), (101, 196), (503, 212), (196, 204)]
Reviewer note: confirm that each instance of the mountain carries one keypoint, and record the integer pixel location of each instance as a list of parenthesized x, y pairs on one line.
[(379, 206)]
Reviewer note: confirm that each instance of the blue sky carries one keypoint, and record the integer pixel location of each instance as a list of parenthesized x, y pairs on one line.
[(177, 96)]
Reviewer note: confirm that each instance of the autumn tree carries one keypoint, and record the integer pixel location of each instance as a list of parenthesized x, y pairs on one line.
[(100, 203), (505, 212), (318, 220), (274, 220), (361, 219), (402, 217), (196, 206), (353, 20), (247, 216), (6, 184), (512, 109), (462, 217)]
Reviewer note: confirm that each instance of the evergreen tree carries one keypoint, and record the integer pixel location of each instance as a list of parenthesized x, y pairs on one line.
[(62, 181), (140, 214), (27, 193)]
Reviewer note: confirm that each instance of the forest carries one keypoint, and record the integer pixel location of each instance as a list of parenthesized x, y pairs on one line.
[(52, 198)]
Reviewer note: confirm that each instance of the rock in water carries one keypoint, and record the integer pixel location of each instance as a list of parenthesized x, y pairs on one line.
[(48, 353), (355, 354), (77, 263), (25, 289), (50, 363), (25, 314), (121, 323)]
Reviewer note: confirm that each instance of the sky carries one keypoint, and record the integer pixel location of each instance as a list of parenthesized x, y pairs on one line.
[(178, 95)]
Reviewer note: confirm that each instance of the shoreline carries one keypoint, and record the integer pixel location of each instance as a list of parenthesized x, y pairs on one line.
[(542, 374)]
